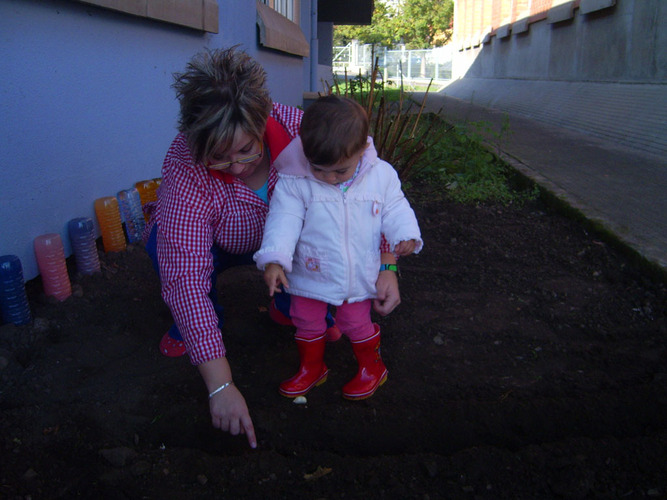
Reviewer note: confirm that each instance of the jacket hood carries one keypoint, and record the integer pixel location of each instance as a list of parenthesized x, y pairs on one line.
[(293, 162)]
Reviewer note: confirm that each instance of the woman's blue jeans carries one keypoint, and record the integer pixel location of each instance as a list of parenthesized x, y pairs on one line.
[(221, 261)]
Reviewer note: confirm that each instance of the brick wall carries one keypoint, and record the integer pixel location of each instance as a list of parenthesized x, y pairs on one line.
[(473, 19)]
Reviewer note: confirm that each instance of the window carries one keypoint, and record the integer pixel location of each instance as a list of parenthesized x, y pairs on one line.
[(288, 8)]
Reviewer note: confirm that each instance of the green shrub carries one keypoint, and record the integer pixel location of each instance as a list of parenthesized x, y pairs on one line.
[(471, 172), (425, 146)]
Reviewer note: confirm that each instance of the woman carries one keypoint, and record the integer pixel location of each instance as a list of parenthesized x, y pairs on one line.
[(217, 180)]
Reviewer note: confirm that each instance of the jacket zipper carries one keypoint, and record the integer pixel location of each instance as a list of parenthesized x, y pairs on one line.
[(347, 246)]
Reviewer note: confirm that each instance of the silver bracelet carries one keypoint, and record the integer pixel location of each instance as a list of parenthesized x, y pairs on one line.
[(221, 388)]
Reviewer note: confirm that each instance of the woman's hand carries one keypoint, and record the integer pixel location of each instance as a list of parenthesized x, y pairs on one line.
[(274, 276), (229, 411), (405, 247)]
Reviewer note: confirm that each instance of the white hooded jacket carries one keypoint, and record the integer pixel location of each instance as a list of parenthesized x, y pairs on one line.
[(328, 241)]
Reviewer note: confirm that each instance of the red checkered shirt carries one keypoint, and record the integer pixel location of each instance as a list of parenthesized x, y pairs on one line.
[(196, 210)]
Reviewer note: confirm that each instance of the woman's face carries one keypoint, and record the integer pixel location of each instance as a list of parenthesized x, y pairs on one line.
[(242, 159)]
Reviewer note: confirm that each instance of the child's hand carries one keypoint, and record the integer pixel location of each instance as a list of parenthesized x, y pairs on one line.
[(405, 247), (274, 276), (388, 295)]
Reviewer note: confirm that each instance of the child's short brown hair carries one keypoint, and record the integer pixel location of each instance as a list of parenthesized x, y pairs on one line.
[(333, 129)]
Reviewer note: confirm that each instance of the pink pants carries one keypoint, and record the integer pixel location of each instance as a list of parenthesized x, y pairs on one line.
[(353, 320)]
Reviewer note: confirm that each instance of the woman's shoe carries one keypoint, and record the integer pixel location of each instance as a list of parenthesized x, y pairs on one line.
[(171, 347), (277, 316), (333, 333)]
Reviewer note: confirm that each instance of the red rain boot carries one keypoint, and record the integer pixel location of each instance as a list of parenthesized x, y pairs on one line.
[(372, 372), (312, 371)]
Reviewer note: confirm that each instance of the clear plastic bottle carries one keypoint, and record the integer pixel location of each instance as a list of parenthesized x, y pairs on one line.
[(130, 209), (82, 236), (108, 215), (52, 266), (13, 299)]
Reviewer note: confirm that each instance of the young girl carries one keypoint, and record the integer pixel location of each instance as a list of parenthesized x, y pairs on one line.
[(333, 202)]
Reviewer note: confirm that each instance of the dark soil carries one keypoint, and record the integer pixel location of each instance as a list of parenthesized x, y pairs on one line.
[(526, 361)]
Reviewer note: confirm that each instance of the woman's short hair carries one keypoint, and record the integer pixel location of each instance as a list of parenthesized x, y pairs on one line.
[(333, 129), (220, 92)]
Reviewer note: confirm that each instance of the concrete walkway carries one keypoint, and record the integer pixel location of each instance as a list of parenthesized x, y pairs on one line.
[(624, 190)]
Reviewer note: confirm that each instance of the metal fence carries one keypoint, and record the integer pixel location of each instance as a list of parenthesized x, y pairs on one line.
[(413, 66)]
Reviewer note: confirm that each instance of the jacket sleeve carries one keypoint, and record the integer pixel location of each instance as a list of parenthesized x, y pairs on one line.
[(184, 253), (283, 226), (399, 222)]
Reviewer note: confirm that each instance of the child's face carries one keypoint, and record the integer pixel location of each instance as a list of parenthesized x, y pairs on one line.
[(338, 172)]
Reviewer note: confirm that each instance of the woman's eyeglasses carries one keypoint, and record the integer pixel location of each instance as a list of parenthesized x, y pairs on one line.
[(248, 159)]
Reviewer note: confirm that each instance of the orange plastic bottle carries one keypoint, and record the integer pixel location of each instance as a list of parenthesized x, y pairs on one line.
[(147, 192), (108, 216)]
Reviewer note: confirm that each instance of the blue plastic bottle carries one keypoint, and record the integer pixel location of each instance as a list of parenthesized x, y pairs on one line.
[(82, 237), (13, 299)]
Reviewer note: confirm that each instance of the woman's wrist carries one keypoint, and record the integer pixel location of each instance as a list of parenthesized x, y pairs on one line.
[(220, 389), (215, 373)]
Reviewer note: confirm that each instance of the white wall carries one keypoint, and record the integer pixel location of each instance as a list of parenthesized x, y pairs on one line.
[(87, 106)]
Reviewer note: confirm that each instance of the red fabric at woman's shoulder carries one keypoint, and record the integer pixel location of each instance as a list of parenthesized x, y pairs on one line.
[(276, 137)]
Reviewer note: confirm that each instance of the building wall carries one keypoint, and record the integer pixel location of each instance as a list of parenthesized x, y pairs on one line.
[(625, 42), (87, 108), (595, 66)]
